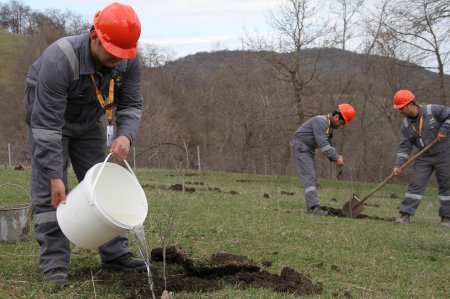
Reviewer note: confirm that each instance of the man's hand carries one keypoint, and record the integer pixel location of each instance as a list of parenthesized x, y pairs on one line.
[(58, 192), (340, 161), (396, 171), (440, 136), (120, 148)]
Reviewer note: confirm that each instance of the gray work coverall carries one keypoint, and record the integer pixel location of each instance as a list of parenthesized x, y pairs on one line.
[(64, 122), (315, 133), (435, 119)]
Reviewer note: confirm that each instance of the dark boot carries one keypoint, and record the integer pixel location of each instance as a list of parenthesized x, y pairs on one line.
[(316, 210), (125, 263), (445, 222), (404, 218), (57, 276)]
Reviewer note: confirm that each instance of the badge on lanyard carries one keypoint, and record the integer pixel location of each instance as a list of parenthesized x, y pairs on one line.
[(107, 106), (421, 142), (109, 135)]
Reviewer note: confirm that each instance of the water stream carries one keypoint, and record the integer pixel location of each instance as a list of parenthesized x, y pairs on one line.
[(143, 250)]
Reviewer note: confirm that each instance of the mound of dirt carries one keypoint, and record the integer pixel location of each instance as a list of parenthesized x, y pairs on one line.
[(338, 213), (209, 275)]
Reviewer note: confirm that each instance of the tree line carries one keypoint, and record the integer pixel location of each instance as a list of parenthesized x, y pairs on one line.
[(241, 108)]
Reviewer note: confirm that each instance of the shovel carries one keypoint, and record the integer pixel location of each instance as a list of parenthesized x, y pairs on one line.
[(354, 206)]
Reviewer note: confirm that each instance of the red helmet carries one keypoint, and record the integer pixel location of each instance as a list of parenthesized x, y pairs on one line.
[(402, 98), (347, 111), (118, 28)]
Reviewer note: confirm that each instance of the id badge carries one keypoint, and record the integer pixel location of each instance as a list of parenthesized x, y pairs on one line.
[(109, 135)]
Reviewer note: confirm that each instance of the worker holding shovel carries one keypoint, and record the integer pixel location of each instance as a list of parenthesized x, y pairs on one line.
[(421, 126), (317, 133)]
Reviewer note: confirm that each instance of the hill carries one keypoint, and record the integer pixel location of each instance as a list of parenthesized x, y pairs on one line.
[(241, 113)]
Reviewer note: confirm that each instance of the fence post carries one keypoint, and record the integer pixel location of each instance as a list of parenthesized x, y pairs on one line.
[(198, 159), (9, 154), (265, 164)]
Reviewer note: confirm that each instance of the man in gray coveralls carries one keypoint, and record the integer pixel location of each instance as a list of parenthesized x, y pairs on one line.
[(421, 125), (72, 84), (317, 133)]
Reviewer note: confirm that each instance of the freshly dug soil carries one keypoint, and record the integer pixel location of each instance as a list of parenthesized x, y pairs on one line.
[(338, 213), (186, 274)]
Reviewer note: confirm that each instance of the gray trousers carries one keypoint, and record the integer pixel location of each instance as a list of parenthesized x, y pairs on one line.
[(84, 146), (422, 170), (305, 162)]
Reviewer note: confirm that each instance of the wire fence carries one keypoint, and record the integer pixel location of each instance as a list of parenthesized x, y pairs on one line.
[(175, 156)]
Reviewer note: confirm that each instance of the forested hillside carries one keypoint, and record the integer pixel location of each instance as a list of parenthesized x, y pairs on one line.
[(241, 108)]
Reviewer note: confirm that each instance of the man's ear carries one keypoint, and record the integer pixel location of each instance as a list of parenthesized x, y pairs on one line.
[(93, 35)]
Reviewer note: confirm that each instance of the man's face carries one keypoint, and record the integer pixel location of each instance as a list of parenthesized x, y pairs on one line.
[(100, 54), (408, 110), (338, 121)]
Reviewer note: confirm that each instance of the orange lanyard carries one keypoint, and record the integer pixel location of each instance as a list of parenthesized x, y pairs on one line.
[(329, 125), (419, 132), (107, 107)]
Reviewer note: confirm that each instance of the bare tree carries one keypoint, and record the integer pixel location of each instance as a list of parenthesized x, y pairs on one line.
[(296, 27), (347, 21), (13, 15), (424, 25)]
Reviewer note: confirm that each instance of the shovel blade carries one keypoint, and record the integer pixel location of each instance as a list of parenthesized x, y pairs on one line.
[(353, 207)]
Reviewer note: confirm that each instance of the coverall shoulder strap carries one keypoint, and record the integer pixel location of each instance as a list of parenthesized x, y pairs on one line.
[(68, 50)]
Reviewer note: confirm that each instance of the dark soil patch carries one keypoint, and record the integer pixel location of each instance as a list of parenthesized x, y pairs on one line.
[(186, 274), (179, 187), (215, 189), (338, 213), (266, 195), (194, 183), (287, 193)]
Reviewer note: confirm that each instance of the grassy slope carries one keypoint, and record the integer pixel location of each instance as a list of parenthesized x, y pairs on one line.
[(9, 44), (366, 258)]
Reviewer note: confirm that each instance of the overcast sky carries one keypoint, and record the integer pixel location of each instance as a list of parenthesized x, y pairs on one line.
[(183, 26)]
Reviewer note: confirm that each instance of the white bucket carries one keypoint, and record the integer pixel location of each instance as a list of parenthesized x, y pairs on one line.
[(108, 202)]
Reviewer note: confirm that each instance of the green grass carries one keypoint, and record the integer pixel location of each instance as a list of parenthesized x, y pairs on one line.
[(365, 258)]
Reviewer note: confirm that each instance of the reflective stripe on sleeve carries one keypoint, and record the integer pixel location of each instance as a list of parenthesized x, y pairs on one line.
[(46, 135), (403, 155), (325, 148), (45, 217), (429, 109)]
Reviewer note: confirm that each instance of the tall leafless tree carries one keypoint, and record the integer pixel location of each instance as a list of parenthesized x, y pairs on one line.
[(296, 29), (424, 25)]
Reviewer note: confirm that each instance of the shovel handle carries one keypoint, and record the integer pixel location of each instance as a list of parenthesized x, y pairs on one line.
[(418, 154)]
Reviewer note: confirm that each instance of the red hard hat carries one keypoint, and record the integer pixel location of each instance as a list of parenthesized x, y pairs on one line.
[(402, 98), (118, 28), (347, 111)]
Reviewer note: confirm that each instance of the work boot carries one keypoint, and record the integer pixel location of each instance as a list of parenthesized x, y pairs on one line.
[(125, 263), (404, 218), (57, 276), (445, 222), (316, 210)]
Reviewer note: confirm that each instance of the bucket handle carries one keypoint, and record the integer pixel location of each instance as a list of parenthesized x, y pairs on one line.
[(100, 171)]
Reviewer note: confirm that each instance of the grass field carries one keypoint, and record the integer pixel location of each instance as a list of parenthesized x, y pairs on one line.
[(351, 258)]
